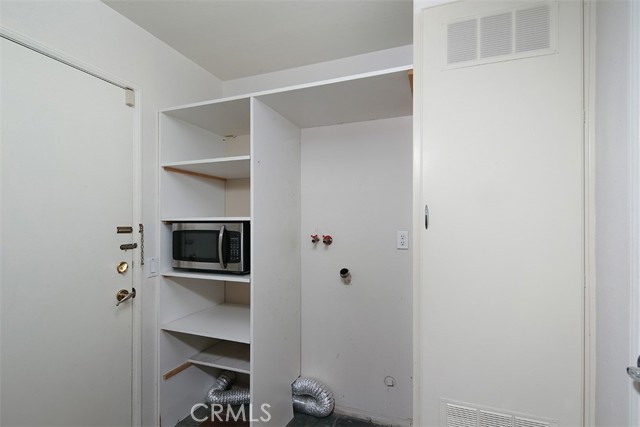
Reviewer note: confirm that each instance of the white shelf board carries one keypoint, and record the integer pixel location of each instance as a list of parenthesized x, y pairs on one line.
[(233, 356), (226, 167), (375, 97), (229, 322), (201, 275), (222, 117), (206, 219)]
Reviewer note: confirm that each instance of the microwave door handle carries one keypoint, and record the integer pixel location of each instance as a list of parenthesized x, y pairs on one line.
[(223, 264)]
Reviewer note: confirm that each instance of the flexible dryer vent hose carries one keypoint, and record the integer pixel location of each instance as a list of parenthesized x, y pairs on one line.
[(310, 396), (219, 393)]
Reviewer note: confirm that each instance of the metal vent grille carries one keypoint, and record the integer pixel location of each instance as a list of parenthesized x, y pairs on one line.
[(511, 34), (492, 419), (462, 41), (459, 414), (496, 35), (523, 422), (533, 29)]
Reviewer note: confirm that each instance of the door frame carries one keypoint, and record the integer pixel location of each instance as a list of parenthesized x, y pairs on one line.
[(634, 142), (137, 276), (589, 291)]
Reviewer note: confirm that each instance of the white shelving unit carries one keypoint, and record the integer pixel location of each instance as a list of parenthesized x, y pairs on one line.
[(239, 158)]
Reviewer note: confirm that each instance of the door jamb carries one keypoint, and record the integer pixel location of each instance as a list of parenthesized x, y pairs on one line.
[(137, 278), (634, 184), (589, 291)]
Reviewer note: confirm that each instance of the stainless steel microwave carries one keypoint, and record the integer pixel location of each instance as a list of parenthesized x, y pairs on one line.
[(212, 246)]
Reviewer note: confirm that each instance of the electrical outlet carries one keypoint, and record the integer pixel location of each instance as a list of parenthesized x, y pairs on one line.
[(402, 240)]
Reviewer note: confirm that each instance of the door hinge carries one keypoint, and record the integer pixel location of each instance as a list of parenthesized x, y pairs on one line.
[(141, 230), (129, 97)]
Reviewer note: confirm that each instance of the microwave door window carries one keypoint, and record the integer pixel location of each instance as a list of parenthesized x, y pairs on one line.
[(196, 245)]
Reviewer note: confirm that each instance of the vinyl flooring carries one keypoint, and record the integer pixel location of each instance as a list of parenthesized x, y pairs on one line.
[(299, 420)]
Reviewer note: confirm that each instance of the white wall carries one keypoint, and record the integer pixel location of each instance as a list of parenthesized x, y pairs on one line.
[(95, 35), (374, 61), (356, 187), (614, 229)]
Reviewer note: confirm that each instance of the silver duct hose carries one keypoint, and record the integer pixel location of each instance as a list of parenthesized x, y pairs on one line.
[(218, 394), (310, 396)]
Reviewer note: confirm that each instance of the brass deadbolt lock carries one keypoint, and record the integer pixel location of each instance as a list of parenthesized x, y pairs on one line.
[(122, 267)]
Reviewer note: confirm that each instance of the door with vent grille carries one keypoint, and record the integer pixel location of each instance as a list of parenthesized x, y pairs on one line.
[(500, 104)]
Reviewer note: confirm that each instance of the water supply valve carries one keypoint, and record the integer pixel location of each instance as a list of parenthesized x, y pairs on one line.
[(314, 239), (326, 239)]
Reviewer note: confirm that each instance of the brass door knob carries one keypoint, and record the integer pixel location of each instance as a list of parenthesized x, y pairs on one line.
[(122, 267)]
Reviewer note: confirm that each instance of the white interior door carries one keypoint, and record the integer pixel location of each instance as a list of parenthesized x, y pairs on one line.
[(67, 181), (501, 326)]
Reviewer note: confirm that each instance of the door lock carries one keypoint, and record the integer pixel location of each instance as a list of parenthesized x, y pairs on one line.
[(122, 267), (123, 295)]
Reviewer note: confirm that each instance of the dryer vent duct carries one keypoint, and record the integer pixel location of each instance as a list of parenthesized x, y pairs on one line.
[(219, 393), (310, 396)]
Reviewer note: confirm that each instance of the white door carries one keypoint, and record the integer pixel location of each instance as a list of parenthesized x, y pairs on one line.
[(66, 183), (501, 297)]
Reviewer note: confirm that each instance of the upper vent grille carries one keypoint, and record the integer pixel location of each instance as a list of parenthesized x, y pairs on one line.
[(496, 35), (513, 34), (462, 41), (533, 28)]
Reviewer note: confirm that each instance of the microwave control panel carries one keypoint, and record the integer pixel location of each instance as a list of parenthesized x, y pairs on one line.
[(234, 248)]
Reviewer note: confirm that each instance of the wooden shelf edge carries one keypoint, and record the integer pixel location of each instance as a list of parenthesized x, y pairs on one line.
[(175, 371)]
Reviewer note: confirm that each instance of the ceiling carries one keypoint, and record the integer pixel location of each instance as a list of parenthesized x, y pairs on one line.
[(240, 38)]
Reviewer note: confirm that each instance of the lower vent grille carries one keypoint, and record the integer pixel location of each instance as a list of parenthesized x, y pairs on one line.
[(458, 414)]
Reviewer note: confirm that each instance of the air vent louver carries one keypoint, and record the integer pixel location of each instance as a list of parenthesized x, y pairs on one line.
[(496, 35), (523, 422), (462, 41), (492, 419), (533, 29), (513, 34), (459, 414)]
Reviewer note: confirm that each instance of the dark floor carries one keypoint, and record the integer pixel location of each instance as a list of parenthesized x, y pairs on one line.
[(299, 420), (333, 420)]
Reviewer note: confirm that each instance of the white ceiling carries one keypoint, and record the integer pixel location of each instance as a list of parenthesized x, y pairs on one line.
[(239, 38)]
